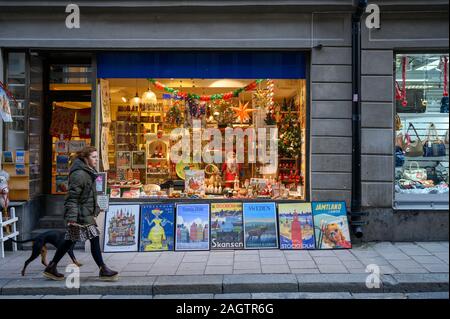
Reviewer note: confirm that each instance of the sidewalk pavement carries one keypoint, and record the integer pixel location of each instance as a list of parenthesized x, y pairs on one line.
[(404, 267)]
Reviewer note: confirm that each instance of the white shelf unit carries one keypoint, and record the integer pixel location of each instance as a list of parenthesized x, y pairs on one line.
[(3, 237)]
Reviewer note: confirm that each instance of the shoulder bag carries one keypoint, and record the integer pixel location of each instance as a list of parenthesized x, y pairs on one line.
[(413, 148)]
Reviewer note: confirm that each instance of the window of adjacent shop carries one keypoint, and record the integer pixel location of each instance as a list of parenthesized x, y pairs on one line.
[(145, 106), (422, 131), (22, 137)]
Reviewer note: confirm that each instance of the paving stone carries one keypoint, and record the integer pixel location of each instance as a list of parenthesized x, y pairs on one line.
[(124, 286), (419, 282), (219, 270), (236, 296), (322, 253), (138, 267), (353, 264), (275, 269), (260, 283), (436, 268), (304, 257), (427, 259), (197, 253), (379, 296), (246, 253), (246, 265), (247, 271), (433, 247), (428, 295), (220, 262), (404, 263), (40, 286), (356, 270), (305, 271), (144, 260), (159, 271), (333, 283), (271, 253), (181, 272), (327, 261), (133, 273), (273, 261), (415, 251), (443, 257), (415, 270), (332, 269), (303, 295), (302, 264), (221, 254), (192, 266), (72, 297), (185, 296), (188, 284), (195, 259), (127, 297), (387, 270), (344, 255), (245, 258)]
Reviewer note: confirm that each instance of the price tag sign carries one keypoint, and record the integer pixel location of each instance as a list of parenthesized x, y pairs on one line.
[(103, 202)]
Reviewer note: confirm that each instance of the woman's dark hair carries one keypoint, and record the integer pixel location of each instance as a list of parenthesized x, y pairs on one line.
[(85, 152)]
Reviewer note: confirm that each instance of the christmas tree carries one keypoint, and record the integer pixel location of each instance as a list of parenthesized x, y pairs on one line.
[(290, 137)]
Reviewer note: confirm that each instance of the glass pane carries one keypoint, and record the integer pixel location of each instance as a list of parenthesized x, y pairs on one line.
[(422, 124), (16, 65)]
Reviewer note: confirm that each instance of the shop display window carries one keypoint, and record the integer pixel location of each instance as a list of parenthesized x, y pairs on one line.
[(422, 129), (143, 121)]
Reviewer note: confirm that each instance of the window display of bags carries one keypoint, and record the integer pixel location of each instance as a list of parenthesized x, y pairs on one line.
[(399, 157), (416, 102), (415, 173), (412, 148), (433, 145)]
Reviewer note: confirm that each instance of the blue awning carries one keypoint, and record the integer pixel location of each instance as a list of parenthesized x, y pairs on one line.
[(203, 65)]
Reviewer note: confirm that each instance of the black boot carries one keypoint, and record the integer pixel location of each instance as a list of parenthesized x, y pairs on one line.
[(52, 273), (107, 274)]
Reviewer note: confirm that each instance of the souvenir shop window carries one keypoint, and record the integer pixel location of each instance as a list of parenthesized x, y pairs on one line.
[(139, 117), (422, 128), (70, 131)]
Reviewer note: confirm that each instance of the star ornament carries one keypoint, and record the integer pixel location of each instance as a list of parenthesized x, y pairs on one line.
[(242, 112)]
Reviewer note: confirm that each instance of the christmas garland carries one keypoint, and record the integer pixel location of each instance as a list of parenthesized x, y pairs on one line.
[(221, 96)]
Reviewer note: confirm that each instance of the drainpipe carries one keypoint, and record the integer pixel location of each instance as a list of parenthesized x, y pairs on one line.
[(356, 214)]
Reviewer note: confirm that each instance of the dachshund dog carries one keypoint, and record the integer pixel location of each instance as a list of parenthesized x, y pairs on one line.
[(53, 237), (334, 237)]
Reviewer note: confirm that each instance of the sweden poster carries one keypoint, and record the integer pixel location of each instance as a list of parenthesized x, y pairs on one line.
[(260, 226), (296, 226), (331, 225), (226, 226), (121, 225), (157, 224), (192, 231)]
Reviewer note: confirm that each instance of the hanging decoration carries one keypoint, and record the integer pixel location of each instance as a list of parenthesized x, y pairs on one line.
[(404, 62), (174, 116), (444, 100), (196, 109), (221, 96), (242, 112)]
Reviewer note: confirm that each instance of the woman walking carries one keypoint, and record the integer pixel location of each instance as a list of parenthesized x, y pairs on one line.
[(80, 210)]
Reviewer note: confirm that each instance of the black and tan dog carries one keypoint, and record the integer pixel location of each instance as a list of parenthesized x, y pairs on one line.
[(53, 237)]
